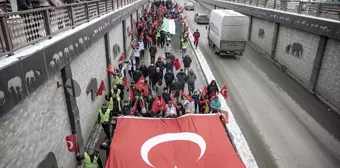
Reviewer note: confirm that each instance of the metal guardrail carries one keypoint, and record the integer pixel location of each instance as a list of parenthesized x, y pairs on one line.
[(19, 29), (317, 9)]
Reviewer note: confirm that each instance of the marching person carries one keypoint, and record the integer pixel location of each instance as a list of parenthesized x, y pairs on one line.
[(196, 98), (152, 73), (215, 104), (191, 78), (186, 63), (181, 76), (184, 47), (153, 51), (169, 78), (120, 83), (137, 74), (132, 66), (167, 50), (212, 88), (162, 38), (126, 108), (104, 117), (160, 64), (196, 37), (176, 87), (144, 69), (137, 55), (141, 48), (91, 159)]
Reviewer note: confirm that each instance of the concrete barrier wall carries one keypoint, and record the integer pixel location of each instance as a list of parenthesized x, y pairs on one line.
[(35, 116), (304, 67), (300, 66), (89, 65), (266, 38), (116, 43), (328, 84)]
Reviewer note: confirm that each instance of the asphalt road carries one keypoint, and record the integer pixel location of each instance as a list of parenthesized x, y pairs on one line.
[(284, 125)]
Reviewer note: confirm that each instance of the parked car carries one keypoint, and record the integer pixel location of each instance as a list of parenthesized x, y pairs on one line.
[(201, 18), (189, 6)]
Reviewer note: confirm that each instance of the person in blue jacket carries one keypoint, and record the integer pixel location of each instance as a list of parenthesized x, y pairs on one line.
[(215, 105)]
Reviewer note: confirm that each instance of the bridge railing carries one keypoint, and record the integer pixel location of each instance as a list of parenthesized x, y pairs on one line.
[(19, 29), (318, 9)]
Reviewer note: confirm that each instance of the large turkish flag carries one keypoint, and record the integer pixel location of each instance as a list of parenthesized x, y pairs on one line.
[(191, 141)]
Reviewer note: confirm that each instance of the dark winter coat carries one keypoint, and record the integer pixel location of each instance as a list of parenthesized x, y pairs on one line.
[(136, 75), (144, 70), (187, 61), (160, 64), (153, 51), (212, 89), (176, 86), (169, 77), (181, 76), (152, 71)]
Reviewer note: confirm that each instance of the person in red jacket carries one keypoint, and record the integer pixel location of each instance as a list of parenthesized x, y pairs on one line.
[(196, 37)]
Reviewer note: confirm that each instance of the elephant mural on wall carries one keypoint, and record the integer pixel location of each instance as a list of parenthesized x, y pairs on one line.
[(49, 162), (294, 49), (2, 98), (92, 88), (261, 33), (31, 76), (15, 87), (116, 50)]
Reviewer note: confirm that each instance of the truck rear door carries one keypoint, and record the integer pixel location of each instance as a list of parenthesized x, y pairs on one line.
[(233, 45)]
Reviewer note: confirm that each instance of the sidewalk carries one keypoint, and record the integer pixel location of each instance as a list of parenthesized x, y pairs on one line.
[(99, 135)]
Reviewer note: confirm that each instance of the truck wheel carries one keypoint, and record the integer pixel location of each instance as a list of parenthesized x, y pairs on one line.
[(216, 50)]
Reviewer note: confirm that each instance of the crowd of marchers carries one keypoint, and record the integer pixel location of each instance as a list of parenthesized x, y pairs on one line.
[(156, 88)]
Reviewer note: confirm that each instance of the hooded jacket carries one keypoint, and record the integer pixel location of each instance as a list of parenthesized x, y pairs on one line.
[(187, 61), (191, 77), (215, 104), (144, 70)]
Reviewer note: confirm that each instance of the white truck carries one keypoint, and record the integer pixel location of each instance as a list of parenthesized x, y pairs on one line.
[(228, 32)]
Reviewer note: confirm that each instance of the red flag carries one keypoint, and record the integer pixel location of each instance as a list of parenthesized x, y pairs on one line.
[(131, 96), (140, 83), (100, 89), (133, 43), (122, 57), (224, 91), (156, 105), (225, 116), (145, 90), (195, 140), (125, 82), (141, 35), (71, 142), (163, 104), (133, 109), (155, 23), (177, 64), (162, 58), (109, 68), (204, 92), (173, 100), (186, 28), (130, 32), (186, 96), (149, 39)]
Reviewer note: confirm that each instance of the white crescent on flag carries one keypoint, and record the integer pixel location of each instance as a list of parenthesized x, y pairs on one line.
[(69, 144), (184, 136)]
